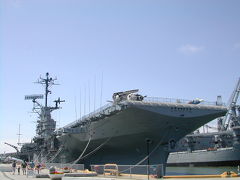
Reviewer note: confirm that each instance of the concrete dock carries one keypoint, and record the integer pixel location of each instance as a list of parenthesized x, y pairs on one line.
[(6, 174)]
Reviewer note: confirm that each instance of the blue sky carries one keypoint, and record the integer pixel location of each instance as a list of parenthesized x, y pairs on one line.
[(179, 49)]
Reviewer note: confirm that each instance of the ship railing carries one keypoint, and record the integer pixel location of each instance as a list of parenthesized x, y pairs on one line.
[(203, 150), (129, 171), (65, 165), (224, 149), (180, 101), (98, 112), (73, 130)]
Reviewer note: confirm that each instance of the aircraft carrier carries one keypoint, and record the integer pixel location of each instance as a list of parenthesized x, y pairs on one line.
[(120, 131), (218, 148)]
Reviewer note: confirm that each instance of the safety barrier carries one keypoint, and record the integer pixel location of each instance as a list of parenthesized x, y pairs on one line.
[(129, 171), (64, 165), (178, 101)]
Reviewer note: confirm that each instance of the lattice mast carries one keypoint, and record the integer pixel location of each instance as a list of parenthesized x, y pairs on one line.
[(45, 125), (232, 117)]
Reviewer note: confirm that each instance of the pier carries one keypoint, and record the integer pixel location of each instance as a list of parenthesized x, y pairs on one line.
[(6, 174)]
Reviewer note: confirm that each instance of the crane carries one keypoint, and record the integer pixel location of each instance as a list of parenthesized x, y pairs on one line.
[(15, 147), (232, 112)]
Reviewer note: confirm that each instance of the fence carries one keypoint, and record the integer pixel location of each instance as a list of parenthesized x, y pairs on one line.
[(129, 171), (62, 165)]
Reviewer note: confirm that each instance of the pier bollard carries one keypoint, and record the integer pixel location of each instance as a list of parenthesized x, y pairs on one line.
[(54, 175), (52, 170), (159, 171)]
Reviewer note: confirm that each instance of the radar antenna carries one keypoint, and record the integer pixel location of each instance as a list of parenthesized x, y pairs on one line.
[(57, 102)]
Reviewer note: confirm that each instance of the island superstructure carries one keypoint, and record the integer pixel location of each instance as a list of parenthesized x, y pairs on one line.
[(44, 141)]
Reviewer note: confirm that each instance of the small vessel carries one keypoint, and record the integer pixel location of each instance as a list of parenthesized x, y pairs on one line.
[(218, 148)]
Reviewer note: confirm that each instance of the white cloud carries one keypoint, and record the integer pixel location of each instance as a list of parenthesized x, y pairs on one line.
[(190, 49), (236, 46)]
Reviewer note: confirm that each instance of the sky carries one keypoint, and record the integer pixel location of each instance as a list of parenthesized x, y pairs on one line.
[(165, 48)]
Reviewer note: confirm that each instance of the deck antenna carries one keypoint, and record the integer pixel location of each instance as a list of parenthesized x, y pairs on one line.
[(75, 107), (94, 92), (19, 134), (59, 120), (47, 82), (101, 90), (80, 107), (84, 100), (89, 97)]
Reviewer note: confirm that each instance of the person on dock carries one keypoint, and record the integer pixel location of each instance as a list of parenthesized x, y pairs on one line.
[(24, 166), (14, 167), (30, 169), (38, 167), (32, 165), (18, 167)]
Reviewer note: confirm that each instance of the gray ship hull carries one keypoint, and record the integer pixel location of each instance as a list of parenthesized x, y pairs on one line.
[(121, 137), (219, 157)]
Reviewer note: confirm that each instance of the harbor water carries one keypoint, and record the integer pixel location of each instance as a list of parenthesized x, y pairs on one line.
[(199, 170)]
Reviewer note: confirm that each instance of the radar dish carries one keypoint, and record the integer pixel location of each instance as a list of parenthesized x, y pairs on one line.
[(34, 96)]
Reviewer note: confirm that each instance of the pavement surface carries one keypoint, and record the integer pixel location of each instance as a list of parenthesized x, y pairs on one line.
[(6, 174)]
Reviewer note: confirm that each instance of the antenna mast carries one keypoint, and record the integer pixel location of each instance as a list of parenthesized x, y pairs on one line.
[(46, 125), (19, 134), (48, 81)]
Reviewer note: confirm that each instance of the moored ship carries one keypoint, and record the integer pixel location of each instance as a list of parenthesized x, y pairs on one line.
[(120, 131), (218, 148)]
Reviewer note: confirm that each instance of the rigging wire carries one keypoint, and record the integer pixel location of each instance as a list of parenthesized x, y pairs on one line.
[(96, 148), (159, 143), (59, 150), (79, 158)]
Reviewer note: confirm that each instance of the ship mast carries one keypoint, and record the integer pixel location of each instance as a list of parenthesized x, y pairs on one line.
[(47, 82), (46, 125), (46, 89), (19, 134)]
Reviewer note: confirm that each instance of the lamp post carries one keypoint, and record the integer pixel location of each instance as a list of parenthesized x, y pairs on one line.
[(148, 141)]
